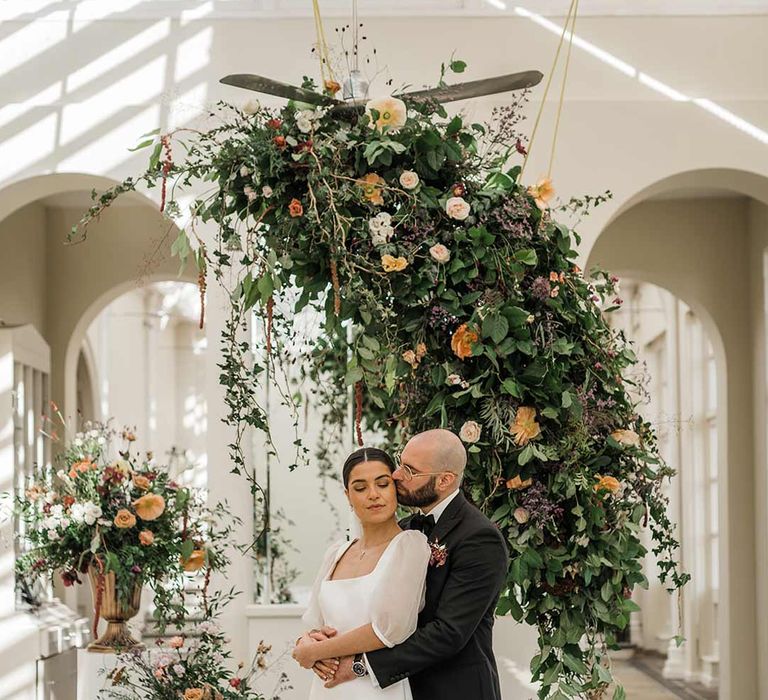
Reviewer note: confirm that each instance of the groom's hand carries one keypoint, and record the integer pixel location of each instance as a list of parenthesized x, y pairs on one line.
[(344, 672), (322, 634)]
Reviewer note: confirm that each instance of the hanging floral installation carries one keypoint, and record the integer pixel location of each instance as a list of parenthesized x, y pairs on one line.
[(448, 296)]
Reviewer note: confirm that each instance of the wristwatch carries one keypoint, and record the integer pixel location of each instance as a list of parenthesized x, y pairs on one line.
[(358, 666)]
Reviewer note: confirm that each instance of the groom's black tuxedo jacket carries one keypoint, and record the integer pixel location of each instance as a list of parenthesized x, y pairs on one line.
[(450, 656)]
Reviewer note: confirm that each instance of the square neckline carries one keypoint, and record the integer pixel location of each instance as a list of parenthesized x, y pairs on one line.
[(344, 550)]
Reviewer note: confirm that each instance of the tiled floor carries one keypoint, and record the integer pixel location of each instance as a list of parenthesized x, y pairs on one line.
[(638, 685)]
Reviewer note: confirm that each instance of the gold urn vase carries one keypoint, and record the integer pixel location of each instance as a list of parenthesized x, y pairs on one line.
[(116, 613)]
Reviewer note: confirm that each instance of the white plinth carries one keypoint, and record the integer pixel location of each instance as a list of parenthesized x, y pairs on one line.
[(91, 673)]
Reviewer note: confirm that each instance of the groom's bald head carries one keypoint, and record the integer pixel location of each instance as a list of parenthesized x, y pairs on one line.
[(446, 448)]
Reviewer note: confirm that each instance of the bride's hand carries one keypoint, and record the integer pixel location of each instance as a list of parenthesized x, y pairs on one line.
[(326, 669), (306, 654)]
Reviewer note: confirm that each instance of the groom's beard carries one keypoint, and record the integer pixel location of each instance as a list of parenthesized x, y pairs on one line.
[(423, 496)]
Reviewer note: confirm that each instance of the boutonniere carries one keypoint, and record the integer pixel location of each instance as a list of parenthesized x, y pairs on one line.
[(439, 554)]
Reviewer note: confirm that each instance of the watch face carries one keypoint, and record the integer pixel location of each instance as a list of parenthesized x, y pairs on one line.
[(358, 668)]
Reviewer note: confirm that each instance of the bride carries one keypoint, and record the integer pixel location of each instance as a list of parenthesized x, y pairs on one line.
[(370, 589)]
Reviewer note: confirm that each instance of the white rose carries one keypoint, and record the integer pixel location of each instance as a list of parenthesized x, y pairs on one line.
[(409, 179), (381, 220), (304, 125), (453, 380), (382, 235), (457, 208), (77, 512), (249, 192), (440, 253), (62, 474), (53, 535), (92, 513), (245, 171), (470, 431), (251, 107), (266, 191)]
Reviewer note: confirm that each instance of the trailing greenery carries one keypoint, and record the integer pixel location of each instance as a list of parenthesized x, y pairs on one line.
[(447, 295)]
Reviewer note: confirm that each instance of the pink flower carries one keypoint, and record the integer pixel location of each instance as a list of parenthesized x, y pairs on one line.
[(176, 642)]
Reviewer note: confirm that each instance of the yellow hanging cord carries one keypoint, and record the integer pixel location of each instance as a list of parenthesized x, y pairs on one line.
[(547, 86), (322, 45), (562, 88)]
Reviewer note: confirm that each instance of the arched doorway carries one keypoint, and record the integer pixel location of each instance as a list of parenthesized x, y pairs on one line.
[(703, 237)]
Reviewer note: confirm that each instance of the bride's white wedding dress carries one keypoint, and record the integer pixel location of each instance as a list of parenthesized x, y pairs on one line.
[(390, 598)]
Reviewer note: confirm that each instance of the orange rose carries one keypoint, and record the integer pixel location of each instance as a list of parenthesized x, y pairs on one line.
[(372, 188), (146, 537), (124, 519), (607, 483), (195, 561), (517, 484), (149, 506), (141, 482), (525, 427), (626, 437), (462, 341), (176, 642), (194, 694), (295, 208)]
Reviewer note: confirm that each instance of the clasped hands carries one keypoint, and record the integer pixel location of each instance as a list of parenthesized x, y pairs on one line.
[(332, 671)]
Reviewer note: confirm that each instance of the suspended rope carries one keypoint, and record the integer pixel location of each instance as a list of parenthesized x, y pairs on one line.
[(326, 71), (569, 20), (562, 88)]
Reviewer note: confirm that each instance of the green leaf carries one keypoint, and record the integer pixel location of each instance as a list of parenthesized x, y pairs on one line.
[(576, 665), (510, 386), (353, 376), (266, 286), (95, 541), (458, 66), (566, 400), (527, 256), (186, 549), (525, 456), (143, 144), (619, 693)]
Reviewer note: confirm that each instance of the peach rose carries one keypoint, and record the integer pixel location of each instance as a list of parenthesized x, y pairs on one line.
[(146, 537), (295, 208), (392, 113), (392, 264), (462, 340), (372, 185), (150, 506), (194, 694), (542, 192), (421, 350), (331, 86), (440, 253), (607, 483), (470, 432), (80, 467), (195, 561), (409, 180), (176, 642), (410, 357), (521, 515), (525, 427), (517, 484), (124, 519), (626, 437), (141, 482), (457, 208)]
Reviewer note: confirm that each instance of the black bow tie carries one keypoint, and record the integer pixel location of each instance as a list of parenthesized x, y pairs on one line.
[(425, 523)]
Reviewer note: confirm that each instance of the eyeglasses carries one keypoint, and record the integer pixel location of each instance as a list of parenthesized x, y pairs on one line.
[(409, 474)]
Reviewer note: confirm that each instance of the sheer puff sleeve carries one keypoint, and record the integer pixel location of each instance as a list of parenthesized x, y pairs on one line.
[(313, 617), (400, 587)]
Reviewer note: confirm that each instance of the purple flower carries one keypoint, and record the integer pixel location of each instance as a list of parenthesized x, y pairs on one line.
[(540, 509), (136, 569), (540, 288)]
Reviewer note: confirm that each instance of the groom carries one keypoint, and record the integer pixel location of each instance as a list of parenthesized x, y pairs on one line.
[(450, 656)]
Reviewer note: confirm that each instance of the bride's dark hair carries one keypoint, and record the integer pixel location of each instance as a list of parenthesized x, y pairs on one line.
[(365, 454)]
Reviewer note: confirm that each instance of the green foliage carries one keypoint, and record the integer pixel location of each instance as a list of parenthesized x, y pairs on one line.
[(439, 312)]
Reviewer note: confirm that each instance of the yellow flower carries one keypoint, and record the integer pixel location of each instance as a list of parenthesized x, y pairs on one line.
[(392, 264), (372, 188), (410, 357), (392, 113), (607, 483), (195, 561), (626, 437), (462, 340), (542, 192), (124, 519), (149, 506), (517, 484), (525, 427)]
